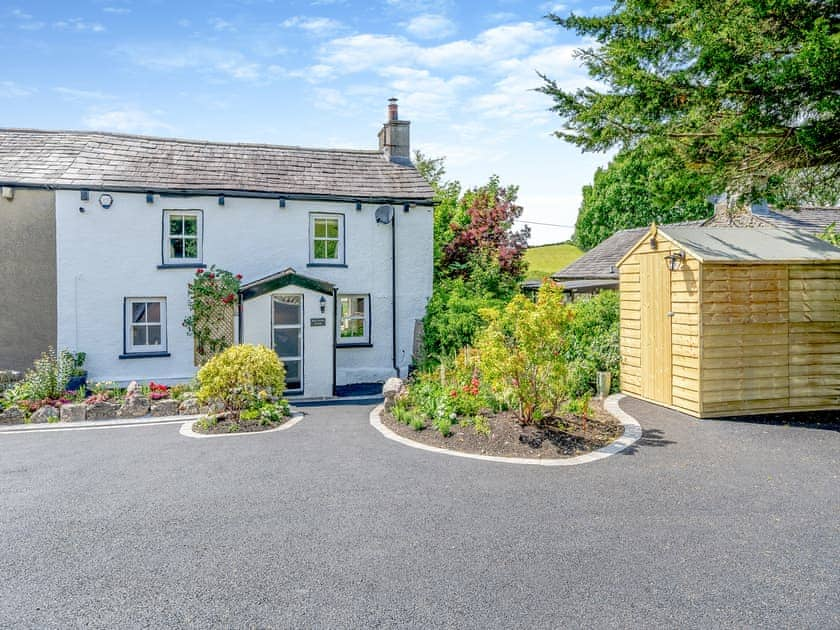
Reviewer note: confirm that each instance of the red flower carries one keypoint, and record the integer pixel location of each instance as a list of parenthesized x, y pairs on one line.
[(211, 275), (453, 393), (198, 272), (239, 276)]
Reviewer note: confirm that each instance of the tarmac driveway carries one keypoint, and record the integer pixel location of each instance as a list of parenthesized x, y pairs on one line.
[(328, 524)]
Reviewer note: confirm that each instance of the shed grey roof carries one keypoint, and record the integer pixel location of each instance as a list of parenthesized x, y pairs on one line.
[(599, 262), (78, 159), (732, 244)]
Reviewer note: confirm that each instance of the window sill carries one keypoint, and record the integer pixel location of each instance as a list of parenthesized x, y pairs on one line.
[(326, 265), (196, 265), (144, 355), (366, 344)]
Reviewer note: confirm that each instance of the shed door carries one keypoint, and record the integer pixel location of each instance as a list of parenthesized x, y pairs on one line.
[(655, 285)]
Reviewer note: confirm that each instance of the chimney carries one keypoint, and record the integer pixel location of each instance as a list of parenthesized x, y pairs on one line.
[(394, 136)]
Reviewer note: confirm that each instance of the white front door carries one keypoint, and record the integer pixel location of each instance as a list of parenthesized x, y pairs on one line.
[(287, 337)]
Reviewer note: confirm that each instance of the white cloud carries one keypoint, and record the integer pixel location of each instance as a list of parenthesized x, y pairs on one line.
[(209, 60), (430, 26), (219, 24), (10, 89), (17, 13), (72, 94), (79, 25), (128, 120), (25, 21), (314, 25), (117, 10)]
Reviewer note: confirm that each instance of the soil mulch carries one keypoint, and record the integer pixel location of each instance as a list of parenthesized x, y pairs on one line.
[(231, 423), (508, 438)]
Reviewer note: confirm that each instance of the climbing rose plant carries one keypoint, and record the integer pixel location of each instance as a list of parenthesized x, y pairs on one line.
[(211, 294)]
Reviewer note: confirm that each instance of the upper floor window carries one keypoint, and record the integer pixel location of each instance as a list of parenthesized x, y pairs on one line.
[(181, 236), (327, 233)]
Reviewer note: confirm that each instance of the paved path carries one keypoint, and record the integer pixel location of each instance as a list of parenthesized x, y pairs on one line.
[(701, 524)]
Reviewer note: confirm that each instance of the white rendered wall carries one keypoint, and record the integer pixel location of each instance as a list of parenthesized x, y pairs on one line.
[(104, 256), (317, 340)]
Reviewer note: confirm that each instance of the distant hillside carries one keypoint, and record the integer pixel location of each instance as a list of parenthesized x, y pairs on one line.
[(544, 260)]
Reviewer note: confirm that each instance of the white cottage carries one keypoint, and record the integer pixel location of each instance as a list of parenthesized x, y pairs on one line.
[(101, 234)]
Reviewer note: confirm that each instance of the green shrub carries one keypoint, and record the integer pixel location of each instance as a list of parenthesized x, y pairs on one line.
[(47, 378), (592, 340), (400, 411), (520, 352), (242, 375), (417, 423), (443, 425), (481, 425)]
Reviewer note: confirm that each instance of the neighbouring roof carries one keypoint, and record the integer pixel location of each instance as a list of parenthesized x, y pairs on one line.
[(600, 261), (732, 244), (78, 159), (807, 218), (282, 279)]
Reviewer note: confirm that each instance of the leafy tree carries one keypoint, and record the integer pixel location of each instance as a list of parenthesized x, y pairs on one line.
[(746, 91), (478, 257), (639, 186), (831, 235)]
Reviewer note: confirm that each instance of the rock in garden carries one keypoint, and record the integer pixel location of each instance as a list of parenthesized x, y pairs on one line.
[(214, 406), (166, 407), (44, 414), (102, 411), (73, 413), (189, 406), (12, 415), (132, 390), (135, 406), (393, 386)]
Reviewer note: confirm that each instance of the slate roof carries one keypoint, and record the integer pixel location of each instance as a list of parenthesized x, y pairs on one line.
[(97, 160), (733, 244), (599, 262), (811, 219)]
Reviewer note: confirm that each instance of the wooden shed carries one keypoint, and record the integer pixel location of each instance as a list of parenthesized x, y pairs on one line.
[(720, 321)]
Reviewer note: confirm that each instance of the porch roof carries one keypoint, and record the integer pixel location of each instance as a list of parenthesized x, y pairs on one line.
[(282, 279)]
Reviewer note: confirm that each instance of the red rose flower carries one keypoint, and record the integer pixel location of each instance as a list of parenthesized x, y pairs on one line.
[(211, 275), (239, 276), (198, 272)]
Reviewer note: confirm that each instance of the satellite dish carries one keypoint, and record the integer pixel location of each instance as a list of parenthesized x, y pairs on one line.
[(384, 214)]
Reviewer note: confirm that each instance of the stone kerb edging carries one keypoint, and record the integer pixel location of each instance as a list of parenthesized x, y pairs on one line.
[(186, 429), (632, 433)]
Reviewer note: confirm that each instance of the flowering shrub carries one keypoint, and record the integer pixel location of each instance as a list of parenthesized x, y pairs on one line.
[(520, 353), (209, 289), (158, 391), (242, 376)]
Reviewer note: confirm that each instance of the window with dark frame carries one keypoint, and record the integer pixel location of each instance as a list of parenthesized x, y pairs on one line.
[(182, 236)]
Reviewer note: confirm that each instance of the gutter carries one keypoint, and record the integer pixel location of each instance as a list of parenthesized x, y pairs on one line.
[(210, 192)]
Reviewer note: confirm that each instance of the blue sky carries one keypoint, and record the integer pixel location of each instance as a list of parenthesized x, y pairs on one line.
[(314, 73)]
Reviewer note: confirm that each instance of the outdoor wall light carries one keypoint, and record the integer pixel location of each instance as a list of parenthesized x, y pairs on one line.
[(150, 198), (323, 304), (281, 202), (406, 207), (84, 195), (358, 205), (221, 200), (675, 260)]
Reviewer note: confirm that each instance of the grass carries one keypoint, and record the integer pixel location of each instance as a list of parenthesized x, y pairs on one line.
[(544, 260)]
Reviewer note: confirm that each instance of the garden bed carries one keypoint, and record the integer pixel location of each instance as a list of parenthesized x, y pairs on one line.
[(231, 422), (560, 437)]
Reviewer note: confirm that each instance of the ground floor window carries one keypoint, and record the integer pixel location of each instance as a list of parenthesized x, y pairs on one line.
[(145, 325), (287, 337), (354, 320)]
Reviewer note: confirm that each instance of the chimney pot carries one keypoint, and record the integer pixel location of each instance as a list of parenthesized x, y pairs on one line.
[(392, 109)]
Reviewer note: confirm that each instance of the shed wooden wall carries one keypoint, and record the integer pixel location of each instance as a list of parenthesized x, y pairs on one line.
[(745, 338), (685, 328)]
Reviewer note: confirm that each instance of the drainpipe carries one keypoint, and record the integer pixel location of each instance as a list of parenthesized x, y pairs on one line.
[(335, 339), (394, 292)]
